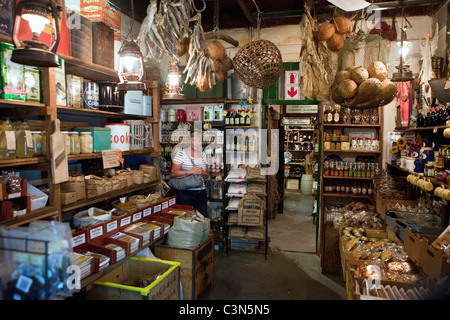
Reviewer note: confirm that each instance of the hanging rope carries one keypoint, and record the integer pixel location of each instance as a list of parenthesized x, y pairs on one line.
[(258, 21)]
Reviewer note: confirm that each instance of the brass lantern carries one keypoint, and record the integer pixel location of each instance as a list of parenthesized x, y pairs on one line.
[(131, 67), (173, 82), (32, 51)]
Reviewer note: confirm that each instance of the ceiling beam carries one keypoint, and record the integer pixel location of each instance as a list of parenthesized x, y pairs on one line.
[(328, 9), (247, 13)]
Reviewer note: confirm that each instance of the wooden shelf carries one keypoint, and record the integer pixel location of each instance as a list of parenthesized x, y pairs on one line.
[(46, 212), (299, 150), (15, 103), (352, 178), (89, 70), (95, 155), (241, 127), (200, 101), (352, 151), (334, 125), (23, 162), (110, 195), (96, 113), (421, 129), (347, 195)]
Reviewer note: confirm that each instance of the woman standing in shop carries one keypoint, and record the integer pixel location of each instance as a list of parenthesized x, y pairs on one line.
[(191, 161)]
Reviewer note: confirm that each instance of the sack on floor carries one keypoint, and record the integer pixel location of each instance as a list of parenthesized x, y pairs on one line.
[(251, 211), (189, 230)]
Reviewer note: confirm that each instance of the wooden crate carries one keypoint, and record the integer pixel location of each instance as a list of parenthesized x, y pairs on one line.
[(196, 267)]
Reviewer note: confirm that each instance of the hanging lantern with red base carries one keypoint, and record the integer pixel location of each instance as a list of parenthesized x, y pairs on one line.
[(32, 17)]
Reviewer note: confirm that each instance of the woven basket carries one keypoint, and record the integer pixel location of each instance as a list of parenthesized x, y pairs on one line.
[(258, 64)]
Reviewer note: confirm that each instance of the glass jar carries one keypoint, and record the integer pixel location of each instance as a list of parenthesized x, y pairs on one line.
[(375, 144), (75, 143), (429, 170), (326, 168), (86, 142), (67, 139), (44, 143), (439, 173), (37, 142), (354, 145)]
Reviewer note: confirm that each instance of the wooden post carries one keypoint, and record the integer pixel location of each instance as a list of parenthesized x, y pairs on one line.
[(51, 113)]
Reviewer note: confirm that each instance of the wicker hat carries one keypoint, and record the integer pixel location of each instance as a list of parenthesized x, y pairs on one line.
[(258, 64)]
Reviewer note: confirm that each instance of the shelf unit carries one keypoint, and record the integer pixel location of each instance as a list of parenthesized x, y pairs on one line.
[(217, 224), (49, 111), (330, 263)]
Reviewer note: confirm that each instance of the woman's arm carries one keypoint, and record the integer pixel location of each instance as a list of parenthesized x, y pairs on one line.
[(177, 172)]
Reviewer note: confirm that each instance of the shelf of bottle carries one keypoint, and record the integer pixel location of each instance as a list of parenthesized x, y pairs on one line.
[(352, 151), (347, 177), (422, 128), (348, 195), (298, 150), (241, 127), (352, 125)]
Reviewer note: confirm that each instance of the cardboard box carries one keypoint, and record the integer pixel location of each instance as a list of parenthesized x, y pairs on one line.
[(12, 84), (68, 197), (38, 199), (196, 267), (433, 261), (412, 245), (119, 284), (32, 84), (102, 11), (381, 205)]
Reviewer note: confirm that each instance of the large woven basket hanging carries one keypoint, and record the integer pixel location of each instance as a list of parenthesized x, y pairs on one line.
[(258, 64)]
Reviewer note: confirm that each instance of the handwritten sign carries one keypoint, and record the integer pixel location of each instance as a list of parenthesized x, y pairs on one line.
[(111, 158)]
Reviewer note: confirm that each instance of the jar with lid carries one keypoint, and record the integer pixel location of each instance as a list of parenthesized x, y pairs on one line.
[(86, 142), (67, 141), (24, 141), (429, 169), (368, 144), (439, 173), (37, 142), (332, 168), (360, 144), (375, 144), (345, 169), (326, 168), (354, 145), (75, 143)]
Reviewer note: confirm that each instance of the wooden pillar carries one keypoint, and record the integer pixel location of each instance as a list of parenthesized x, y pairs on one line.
[(51, 114)]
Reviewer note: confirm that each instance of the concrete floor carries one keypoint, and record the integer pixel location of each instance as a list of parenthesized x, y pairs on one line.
[(291, 270)]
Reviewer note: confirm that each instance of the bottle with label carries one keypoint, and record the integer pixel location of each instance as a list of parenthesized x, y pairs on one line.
[(227, 118), (24, 141), (231, 121), (336, 114), (246, 144), (242, 118), (7, 141), (247, 119), (330, 115), (252, 143)]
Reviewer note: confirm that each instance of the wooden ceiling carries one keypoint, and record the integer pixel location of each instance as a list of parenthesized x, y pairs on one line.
[(243, 13)]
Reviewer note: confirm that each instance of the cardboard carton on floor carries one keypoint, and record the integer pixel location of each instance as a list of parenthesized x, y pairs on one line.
[(122, 283)]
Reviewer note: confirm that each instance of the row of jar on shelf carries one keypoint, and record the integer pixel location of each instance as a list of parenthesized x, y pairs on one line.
[(351, 169), (360, 144), (18, 141)]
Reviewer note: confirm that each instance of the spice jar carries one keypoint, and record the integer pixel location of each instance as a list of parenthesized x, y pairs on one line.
[(75, 147), (67, 141), (86, 142), (37, 142)]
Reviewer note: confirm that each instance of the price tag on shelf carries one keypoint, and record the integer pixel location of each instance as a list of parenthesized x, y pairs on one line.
[(110, 158)]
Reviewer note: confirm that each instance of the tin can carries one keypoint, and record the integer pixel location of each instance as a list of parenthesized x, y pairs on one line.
[(90, 95)]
